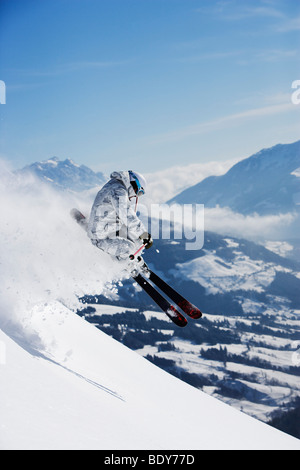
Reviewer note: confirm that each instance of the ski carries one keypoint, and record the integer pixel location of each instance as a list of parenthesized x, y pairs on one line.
[(187, 307), (80, 218), (163, 303)]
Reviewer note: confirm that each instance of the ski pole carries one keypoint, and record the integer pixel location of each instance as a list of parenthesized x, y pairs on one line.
[(134, 255)]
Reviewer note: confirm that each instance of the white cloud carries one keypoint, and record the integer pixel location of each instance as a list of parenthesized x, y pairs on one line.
[(290, 24), (71, 67), (225, 221), (244, 12), (222, 122), (236, 10), (276, 55), (210, 55), (165, 184)]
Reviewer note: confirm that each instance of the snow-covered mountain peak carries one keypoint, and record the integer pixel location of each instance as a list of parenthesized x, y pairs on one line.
[(64, 174), (51, 161), (263, 183)]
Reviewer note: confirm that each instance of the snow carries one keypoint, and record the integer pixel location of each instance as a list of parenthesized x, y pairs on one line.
[(154, 314), (52, 161), (217, 276), (104, 309), (231, 243), (281, 248), (83, 390)]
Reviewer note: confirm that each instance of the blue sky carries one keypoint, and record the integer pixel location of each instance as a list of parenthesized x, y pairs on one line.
[(147, 84)]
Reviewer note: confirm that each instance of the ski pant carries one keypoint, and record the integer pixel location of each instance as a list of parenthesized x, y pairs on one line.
[(118, 247)]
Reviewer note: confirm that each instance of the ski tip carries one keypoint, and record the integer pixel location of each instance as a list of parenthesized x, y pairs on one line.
[(76, 214), (195, 314), (73, 212), (190, 310)]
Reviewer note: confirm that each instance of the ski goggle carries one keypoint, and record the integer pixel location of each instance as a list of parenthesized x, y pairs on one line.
[(139, 190)]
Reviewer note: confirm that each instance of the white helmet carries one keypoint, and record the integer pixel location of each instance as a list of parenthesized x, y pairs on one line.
[(138, 182)]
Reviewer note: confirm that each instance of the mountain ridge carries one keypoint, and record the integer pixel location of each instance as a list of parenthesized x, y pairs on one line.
[(264, 183), (64, 174)]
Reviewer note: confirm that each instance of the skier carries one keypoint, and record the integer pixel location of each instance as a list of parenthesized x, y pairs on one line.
[(113, 225)]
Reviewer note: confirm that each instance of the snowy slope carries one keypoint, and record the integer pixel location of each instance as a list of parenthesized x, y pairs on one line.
[(80, 389)]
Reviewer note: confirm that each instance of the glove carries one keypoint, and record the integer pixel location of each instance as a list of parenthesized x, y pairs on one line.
[(147, 240)]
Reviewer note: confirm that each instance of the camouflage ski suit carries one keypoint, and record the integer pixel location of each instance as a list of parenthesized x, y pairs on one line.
[(113, 225)]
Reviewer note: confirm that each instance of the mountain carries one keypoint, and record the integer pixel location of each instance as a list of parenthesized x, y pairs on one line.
[(227, 274), (64, 174), (76, 388), (265, 183)]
